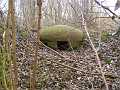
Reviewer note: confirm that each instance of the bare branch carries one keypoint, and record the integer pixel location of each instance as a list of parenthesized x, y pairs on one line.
[(106, 8), (96, 53)]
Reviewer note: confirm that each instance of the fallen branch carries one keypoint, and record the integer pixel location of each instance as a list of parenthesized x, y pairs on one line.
[(40, 43), (110, 76), (73, 68)]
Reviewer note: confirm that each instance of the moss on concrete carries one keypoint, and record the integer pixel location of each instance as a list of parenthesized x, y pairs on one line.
[(55, 33)]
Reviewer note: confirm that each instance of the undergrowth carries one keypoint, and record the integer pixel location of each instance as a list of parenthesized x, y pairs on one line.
[(3, 68)]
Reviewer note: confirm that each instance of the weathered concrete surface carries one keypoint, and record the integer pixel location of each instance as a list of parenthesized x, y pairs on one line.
[(52, 34)]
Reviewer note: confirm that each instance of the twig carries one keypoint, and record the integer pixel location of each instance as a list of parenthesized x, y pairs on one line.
[(62, 56), (96, 53), (85, 73), (106, 8)]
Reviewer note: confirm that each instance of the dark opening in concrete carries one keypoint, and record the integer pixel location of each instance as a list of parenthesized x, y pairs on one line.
[(45, 43), (62, 45)]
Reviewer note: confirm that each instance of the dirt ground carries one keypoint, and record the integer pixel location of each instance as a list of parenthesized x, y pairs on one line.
[(78, 70)]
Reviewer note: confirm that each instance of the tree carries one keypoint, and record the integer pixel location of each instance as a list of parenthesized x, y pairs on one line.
[(34, 63), (11, 23), (28, 12), (67, 12), (117, 5)]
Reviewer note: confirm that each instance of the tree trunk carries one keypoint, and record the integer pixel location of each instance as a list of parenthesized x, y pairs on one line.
[(13, 49), (34, 63)]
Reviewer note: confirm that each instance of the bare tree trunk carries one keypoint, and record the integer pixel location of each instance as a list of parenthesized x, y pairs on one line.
[(34, 64), (6, 38), (28, 11), (13, 49)]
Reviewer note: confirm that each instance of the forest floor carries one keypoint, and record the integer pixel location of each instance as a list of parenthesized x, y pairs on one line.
[(71, 70)]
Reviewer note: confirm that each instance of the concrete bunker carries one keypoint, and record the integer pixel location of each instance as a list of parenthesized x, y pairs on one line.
[(61, 37)]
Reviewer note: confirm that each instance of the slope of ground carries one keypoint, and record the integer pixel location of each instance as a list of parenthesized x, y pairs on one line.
[(77, 71)]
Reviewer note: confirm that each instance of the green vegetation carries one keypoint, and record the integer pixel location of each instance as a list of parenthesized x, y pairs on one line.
[(1, 28), (3, 69), (108, 61), (23, 34), (104, 35)]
